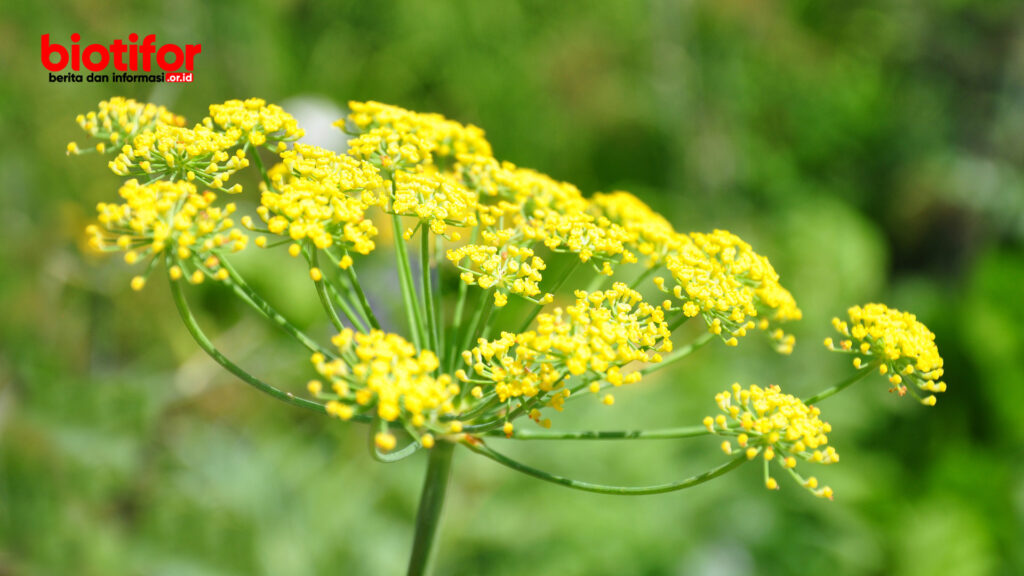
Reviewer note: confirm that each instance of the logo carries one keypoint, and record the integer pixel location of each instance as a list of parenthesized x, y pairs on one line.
[(132, 61)]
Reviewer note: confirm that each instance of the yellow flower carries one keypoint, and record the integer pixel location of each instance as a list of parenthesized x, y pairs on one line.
[(720, 276), (777, 426), (258, 122), (435, 200), (383, 373), (902, 347), (594, 340), (319, 195), (649, 233), (167, 216), (392, 150), (175, 153), (590, 238), (448, 140), (119, 120), (508, 270)]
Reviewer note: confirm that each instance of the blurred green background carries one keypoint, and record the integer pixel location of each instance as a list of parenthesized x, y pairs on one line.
[(873, 150)]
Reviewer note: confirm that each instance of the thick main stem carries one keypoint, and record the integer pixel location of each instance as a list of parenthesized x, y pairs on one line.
[(428, 518)]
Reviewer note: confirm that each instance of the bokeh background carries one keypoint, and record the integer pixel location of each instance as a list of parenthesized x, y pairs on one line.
[(873, 150)]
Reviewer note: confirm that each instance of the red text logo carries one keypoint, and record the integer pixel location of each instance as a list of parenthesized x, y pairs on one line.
[(132, 56)]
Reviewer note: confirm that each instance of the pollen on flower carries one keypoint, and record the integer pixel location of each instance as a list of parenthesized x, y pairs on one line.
[(898, 344), (170, 152), (506, 269)]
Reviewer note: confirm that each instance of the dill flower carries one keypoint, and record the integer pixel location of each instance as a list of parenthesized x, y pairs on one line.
[(322, 196), (779, 427), (720, 277), (535, 191), (257, 122), (435, 200), (163, 216), (119, 120), (649, 233), (383, 374), (196, 154), (440, 174), (902, 347), (509, 270), (450, 140), (595, 240), (337, 171), (391, 150), (595, 339)]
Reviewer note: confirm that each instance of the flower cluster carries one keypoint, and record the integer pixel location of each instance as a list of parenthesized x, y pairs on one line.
[(445, 139), (435, 201), (895, 342), (322, 196), (648, 232), (383, 374), (720, 277), (254, 121), (779, 427), (119, 120), (512, 270), (450, 379), (174, 153), (168, 216), (594, 340)]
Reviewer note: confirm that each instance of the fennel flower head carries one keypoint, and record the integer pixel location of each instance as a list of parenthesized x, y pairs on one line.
[(590, 326), (902, 348), (521, 295)]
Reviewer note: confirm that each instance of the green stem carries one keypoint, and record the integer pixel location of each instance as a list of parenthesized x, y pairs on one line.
[(357, 320), (453, 353), (427, 290), (663, 434), (680, 353), (842, 385), (412, 309), (259, 164), (365, 311), (678, 322), (197, 334), (363, 301), (480, 448), (250, 297), (639, 279), (428, 518), (438, 302), (325, 300), (483, 311)]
